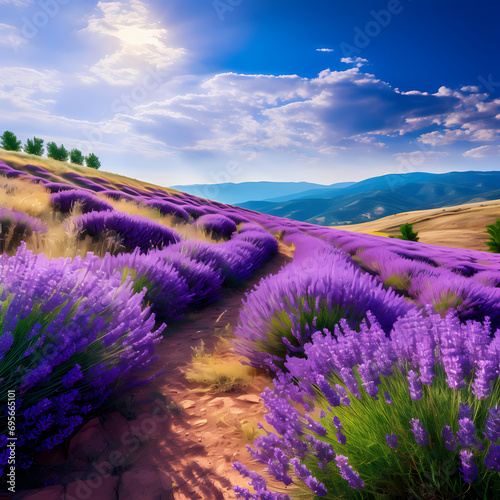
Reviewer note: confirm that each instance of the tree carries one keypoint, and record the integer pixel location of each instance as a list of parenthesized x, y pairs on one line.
[(10, 142), (76, 156), (407, 233), (92, 161), (57, 153), (34, 147), (494, 231)]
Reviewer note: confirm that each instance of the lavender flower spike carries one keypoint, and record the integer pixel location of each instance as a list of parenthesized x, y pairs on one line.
[(492, 425), (466, 432), (415, 385), (348, 473), (421, 435), (391, 440), (469, 468), (492, 459), (449, 441)]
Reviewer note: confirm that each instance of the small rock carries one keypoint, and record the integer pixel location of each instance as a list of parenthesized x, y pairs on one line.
[(220, 401), (250, 398), (236, 411), (187, 403), (200, 422)]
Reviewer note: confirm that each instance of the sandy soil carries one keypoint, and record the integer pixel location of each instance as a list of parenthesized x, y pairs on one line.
[(172, 439), (461, 226)]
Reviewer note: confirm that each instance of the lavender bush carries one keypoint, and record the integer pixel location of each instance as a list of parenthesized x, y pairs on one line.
[(68, 338), (168, 208), (414, 415), (132, 230), (15, 227), (63, 201), (280, 315), (218, 225)]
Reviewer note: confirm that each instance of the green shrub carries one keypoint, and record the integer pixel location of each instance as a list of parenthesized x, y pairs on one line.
[(494, 231), (407, 232)]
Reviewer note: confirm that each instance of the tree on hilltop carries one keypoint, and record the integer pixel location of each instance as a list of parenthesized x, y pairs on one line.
[(57, 152), (76, 156), (92, 161), (34, 146), (10, 142)]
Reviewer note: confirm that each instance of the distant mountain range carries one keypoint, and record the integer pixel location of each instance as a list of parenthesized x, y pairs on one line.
[(233, 193), (355, 202), (386, 195)]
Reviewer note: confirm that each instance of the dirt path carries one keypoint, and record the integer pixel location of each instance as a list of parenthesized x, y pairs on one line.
[(171, 438)]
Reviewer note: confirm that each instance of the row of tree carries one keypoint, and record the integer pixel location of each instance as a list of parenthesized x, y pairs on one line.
[(35, 146)]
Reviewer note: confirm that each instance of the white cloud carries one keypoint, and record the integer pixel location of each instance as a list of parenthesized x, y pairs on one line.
[(138, 42), (358, 61), (17, 3), (483, 152), (10, 36), (324, 50), (22, 88), (340, 109)]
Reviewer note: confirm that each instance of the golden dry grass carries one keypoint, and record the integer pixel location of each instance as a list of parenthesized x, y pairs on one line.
[(461, 226)]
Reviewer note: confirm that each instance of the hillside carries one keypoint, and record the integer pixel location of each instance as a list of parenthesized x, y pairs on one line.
[(461, 226)]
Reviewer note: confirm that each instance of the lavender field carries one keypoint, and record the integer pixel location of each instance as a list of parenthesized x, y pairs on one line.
[(382, 355)]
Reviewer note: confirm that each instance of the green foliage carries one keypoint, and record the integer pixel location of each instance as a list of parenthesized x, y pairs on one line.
[(407, 232), (57, 153), (76, 156), (494, 231), (10, 142), (34, 146), (92, 161)]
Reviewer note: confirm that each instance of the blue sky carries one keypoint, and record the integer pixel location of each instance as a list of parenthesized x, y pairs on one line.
[(213, 91)]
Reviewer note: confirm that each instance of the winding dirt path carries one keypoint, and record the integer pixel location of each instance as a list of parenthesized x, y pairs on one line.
[(171, 439)]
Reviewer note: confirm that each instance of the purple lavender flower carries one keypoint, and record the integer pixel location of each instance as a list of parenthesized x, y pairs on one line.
[(73, 376), (449, 440), (492, 459), (391, 440), (329, 392), (341, 438), (492, 425), (310, 481), (387, 397), (469, 468), (466, 432), (348, 473), (421, 434), (315, 426), (415, 386), (343, 394), (464, 411)]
